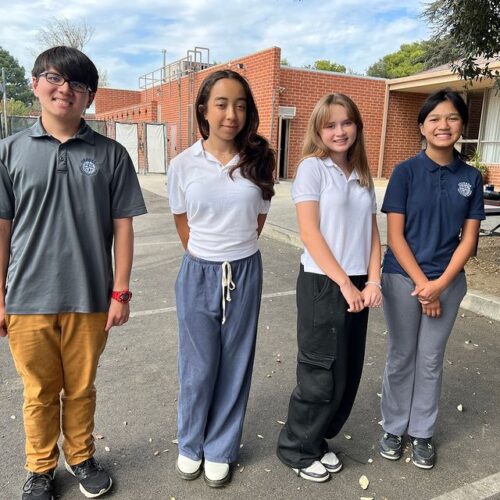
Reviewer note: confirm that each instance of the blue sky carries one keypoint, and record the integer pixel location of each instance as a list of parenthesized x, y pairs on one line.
[(130, 34)]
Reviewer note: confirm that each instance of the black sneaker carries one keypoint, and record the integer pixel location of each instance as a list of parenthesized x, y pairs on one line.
[(39, 486), (94, 480), (422, 452), (390, 446)]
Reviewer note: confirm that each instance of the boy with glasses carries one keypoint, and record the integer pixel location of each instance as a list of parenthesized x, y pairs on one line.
[(67, 197)]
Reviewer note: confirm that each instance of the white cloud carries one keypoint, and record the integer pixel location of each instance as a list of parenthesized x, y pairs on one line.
[(130, 35)]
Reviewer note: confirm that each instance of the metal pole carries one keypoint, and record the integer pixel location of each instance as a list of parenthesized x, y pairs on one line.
[(4, 86)]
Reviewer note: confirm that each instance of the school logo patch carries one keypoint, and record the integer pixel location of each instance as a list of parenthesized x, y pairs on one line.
[(88, 166), (465, 189)]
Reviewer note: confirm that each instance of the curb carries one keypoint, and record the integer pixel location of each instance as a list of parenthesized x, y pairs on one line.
[(474, 301)]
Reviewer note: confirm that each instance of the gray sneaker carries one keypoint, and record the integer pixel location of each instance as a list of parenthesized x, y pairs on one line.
[(390, 446)]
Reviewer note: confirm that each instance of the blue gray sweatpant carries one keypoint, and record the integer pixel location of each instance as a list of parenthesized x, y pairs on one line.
[(215, 356), (416, 345)]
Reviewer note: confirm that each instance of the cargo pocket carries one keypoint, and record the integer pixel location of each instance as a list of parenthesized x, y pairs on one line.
[(321, 285), (315, 377)]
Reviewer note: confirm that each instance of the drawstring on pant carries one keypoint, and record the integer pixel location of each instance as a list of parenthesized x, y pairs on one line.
[(227, 286)]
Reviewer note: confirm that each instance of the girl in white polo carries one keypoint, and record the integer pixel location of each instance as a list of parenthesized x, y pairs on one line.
[(339, 280), (219, 192)]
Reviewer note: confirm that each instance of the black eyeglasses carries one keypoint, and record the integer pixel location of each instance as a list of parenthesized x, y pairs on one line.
[(59, 80)]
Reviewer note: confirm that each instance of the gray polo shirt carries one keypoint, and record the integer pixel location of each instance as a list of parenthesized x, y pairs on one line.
[(62, 199)]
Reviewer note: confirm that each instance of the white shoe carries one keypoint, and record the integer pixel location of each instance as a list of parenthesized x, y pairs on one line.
[(316, 472), (188, 469), (331, 462), (216, 474)]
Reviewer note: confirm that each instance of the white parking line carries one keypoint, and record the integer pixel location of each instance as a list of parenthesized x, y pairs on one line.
[(479, 490), (164, 310)]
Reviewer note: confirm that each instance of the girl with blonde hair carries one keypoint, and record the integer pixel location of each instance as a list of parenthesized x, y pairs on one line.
[(339, 280)]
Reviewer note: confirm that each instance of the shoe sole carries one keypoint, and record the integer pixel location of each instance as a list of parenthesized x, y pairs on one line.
[(390, 457), (218, 483), (422, 466), (188, 476), (307, 477), (88, 494), (333, 470)]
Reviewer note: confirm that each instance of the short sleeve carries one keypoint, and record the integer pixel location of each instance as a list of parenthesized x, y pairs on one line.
[(7, 200), (307, 183), (176, 195), (396, 193), (126, 195), (374, 201), (476, 206), (264, 206)]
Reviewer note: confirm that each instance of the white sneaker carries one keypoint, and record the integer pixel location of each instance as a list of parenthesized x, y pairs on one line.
[(316, 472), (216, 474), (331, 462), (188, 469)]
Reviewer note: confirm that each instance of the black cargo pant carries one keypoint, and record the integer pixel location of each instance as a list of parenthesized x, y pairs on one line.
[(331, 345)]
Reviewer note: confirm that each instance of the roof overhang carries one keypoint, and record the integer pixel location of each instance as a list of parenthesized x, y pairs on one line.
[(430, 81)]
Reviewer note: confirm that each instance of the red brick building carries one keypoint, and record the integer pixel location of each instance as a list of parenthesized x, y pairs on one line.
[(285, 97)]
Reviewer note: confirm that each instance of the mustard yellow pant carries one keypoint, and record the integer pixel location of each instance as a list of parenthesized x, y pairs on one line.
[(56, 356)]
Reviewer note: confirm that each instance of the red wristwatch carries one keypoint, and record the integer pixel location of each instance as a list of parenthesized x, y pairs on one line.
[(122, 296)]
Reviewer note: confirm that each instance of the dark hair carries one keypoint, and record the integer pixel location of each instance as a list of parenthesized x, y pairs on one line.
[(70, 62), (438, 97), (257, 159)]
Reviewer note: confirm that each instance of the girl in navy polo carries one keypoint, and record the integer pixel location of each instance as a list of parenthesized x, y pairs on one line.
[(219, 192), (434, 204), (339, 280)]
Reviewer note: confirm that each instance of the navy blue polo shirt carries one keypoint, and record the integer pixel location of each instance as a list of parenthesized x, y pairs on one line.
[(435, 201)]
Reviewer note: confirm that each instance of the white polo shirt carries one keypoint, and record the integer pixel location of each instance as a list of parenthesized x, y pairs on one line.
[(222, 212), (345, 212)]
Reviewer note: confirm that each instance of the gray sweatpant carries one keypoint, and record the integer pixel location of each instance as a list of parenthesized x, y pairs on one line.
[(415, 351)]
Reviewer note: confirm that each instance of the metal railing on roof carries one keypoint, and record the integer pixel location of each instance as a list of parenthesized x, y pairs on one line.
[(194, 61)]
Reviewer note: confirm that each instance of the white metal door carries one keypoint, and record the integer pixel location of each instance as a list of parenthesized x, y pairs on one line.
[(126, 134), (155, 144)]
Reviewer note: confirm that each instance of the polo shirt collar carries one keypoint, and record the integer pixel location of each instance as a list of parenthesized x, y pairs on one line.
[(432, 166), (199, 150), (330, 163), (85, 133)]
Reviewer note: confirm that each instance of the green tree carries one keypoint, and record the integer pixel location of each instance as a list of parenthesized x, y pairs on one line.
[(408, 60), (284, 62), (16, 108), (325, 65), (474, 27), (441, 51), (18, 87)]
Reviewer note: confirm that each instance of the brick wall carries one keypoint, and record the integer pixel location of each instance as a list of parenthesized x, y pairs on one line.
[(303, 88), (107, 99), (402, 133), (176, 99), (147, 112), (493, 176)]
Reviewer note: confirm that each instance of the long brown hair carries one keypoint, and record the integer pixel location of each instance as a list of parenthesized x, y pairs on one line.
[(257, 159), (314, 146)]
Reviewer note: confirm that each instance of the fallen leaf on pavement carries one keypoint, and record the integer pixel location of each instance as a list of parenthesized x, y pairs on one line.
[(364, 482)]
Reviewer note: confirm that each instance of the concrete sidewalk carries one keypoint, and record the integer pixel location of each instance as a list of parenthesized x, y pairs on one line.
[(281, 225)]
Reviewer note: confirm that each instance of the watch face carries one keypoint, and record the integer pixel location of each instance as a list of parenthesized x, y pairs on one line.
[(125, 297)]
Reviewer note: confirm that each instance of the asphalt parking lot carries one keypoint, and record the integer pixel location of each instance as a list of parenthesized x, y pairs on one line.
[(137, 391)]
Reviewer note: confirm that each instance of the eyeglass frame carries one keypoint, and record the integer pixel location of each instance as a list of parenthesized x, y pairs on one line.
[(64, 80)]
